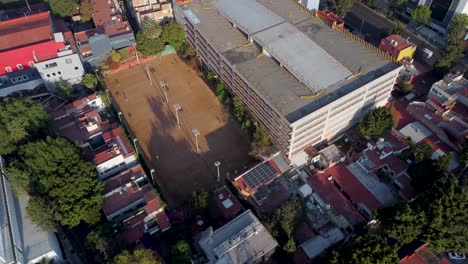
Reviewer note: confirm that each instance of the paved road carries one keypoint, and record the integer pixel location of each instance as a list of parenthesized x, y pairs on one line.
[(367, 21)]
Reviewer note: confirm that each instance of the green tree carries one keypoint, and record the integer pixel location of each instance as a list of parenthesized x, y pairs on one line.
[(426, 172), (457, 28), (105, 241), (66, 183), (200, 199), (340, 7), (151, 29), (376, 122), (187, 51), (63, 8), (445, 205), (180, 252), (40, 213), (371, 3), (140, 256), (240, 112), (222, 94), (398, 28), (149, 47), (421, 15), (261, 143), (398, 5), (366, 249), (173, 34), (20, 119), (421, 151), (115, 56), (64, 88), (464, 154), (86, 11), (406, 225), (290, 246), (89, 80)]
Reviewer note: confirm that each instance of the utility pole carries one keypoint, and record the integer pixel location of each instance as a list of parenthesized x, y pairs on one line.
[(217, 164), (165, 87), (177, 107), (196, 133), (135, 145), (119, 114), (149, 75)]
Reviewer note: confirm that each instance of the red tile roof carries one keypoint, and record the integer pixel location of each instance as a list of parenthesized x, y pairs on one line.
[(43, 51), (352, 186), (123, 197), (402, 116), (393, 44), (331, 195), (24, 31), (107, 152), (395, 164), (123, 178), (163, 221), (223, 194)]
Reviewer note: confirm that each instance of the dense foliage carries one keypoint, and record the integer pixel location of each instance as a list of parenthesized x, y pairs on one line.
[(86, 11), (89, 80), (151, 29), (63, 8), (62, 184), (151, 39), (20, 120), (376, 122), (140, 256), (180, 252), (428, 171), (421, 15), (367, 249), (173, 34), (340, 7), (455, 44)]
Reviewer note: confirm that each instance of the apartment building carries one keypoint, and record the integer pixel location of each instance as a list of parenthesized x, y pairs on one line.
[(159, 10), (33, 54), (111, 31), (304, 81), (443, 11)]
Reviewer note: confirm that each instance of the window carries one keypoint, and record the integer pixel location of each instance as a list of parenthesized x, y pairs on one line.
[(31, 64), (19, 66), (68, 61), (51, 65), (8, 69), (59, 73), (76, 68), (48, 75), (25, 78), (19, 79), (13, 80), (53, 74)]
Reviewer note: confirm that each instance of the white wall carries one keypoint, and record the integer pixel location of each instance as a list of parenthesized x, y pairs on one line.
[(462, 7), (69, 68)]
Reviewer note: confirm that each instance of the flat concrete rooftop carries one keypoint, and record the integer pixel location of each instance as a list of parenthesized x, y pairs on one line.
[(277, 85)]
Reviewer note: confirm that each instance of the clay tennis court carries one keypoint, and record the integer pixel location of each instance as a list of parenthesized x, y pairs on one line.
[(168, 148)]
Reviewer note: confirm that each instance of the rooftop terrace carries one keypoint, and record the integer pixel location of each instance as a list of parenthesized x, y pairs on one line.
[(315, 57)]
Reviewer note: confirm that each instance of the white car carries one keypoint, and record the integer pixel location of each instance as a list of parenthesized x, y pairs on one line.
[(455, 255)]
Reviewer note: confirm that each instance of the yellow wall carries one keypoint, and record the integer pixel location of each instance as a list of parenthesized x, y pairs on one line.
[(408, 52)]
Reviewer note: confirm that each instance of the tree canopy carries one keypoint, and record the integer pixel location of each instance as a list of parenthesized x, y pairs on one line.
[(20, 119), (151, 29), (426, 172), (140, 256), (376, 122), (86, 11), (89, 80), (421, 151), (180, 252), (366, 249), (404, 224), (464, 153), (173, 34), (421, 15), (340, 7), (68, 186), (455, 44), (457, 28), (63, 8), (149, 47)]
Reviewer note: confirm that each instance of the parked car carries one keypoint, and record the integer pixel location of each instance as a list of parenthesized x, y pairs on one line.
[(455, 255)]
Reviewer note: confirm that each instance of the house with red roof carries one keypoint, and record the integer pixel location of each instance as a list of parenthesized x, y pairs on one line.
[(424, 255), (33, 54), (397, 47), (148, 220), (227, 203), (261, 184), (111, 31), (81, 120), (111, 153)]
